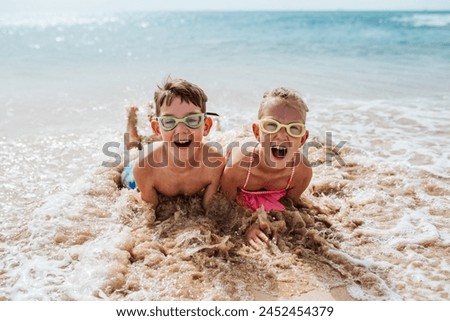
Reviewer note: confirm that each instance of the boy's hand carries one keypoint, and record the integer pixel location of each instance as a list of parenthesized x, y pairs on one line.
[(256, 236)]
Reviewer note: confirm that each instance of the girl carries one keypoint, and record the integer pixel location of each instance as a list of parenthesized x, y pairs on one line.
[(274, 167)]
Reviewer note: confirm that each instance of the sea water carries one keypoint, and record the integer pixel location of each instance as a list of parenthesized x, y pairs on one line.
[(377, 85)]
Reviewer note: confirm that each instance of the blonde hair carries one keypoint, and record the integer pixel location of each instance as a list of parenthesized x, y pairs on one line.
[(286, 94), (179, 88)]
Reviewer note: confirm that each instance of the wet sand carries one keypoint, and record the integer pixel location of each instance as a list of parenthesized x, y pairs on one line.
[(371, 228)]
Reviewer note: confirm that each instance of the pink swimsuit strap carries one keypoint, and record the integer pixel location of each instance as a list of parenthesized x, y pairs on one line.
[(249, 172)]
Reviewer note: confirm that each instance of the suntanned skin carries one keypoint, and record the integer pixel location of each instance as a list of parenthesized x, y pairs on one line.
[(171, 170), (270, 173), (134, 138)]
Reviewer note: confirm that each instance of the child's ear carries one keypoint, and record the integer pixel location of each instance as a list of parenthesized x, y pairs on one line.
[(304, 138), (155, 126), (207, 126), (255, 129)]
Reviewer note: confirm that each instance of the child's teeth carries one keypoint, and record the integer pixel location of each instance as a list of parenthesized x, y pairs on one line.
[(279, 151)]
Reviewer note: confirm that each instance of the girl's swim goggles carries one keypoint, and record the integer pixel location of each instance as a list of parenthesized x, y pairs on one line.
[(271, 126)]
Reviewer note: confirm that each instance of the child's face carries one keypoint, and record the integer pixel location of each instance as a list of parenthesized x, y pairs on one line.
[(182, 139), (280, 147)]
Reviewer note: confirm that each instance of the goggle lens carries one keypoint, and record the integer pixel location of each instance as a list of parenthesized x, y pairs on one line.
[(193, 121), (271, 126)]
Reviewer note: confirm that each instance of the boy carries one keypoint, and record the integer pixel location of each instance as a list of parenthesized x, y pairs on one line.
[(179, 164), (275, 167)]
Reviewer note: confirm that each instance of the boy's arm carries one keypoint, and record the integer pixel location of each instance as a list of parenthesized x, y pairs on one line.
[(150, 196), (145, 184), (212, 188), (228, 184)]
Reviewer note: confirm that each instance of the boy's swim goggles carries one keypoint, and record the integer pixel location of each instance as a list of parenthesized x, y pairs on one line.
[(271, 126), (193, 121)]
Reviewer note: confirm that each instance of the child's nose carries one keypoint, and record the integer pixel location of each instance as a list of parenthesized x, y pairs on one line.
[(182, 128), (282, 134)]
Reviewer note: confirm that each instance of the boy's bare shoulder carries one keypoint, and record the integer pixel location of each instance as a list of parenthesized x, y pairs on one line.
[(153, 153), (152, 160), (213, 161), (212, 151)]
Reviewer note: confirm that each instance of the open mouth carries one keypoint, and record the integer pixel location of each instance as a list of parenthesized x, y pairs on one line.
[(183, 143), (279, 151)]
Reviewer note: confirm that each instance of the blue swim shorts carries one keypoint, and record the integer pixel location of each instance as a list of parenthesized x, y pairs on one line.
[(127, 176)]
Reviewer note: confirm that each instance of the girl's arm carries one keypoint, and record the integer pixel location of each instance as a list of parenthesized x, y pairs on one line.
[(302, 178)]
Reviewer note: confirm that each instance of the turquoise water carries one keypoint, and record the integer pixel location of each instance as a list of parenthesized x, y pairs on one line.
[(226, 38), (75, 62), (309, 49)]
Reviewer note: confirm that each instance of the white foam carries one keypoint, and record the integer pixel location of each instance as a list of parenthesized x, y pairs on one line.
[(400, 200), (53, 20), (425, 20)]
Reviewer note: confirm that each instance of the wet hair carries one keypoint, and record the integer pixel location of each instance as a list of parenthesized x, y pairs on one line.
[(285, 94), (179, 88)]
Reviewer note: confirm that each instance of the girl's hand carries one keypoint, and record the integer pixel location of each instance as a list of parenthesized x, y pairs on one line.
[(256, 236)]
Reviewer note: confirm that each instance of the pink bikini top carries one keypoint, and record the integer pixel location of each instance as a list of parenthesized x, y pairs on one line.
[(268, 200)]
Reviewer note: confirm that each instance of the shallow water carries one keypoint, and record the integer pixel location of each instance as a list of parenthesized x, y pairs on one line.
[(377, 224), (375, 218)]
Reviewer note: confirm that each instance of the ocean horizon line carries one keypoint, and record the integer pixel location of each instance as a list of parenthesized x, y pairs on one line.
[(103, 11)]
